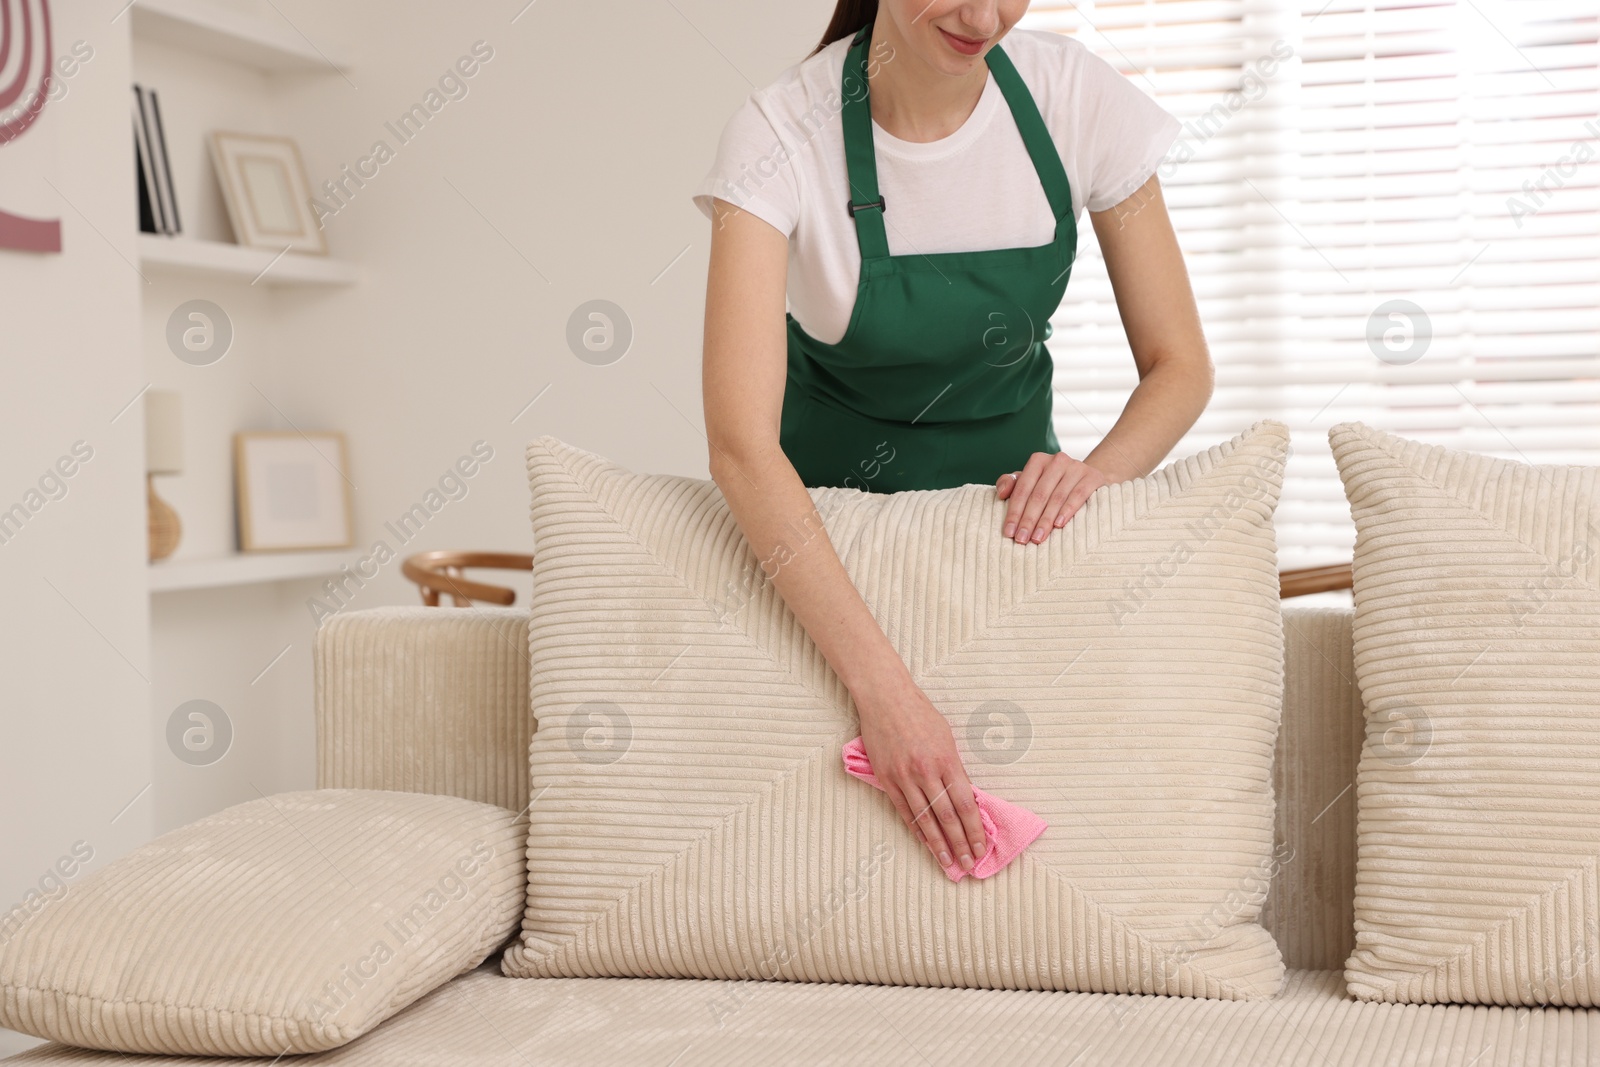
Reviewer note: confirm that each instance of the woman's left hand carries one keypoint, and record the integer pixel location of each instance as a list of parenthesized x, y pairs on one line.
[(1048, 491)]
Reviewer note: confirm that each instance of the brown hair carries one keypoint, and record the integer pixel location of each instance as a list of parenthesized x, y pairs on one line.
[(848, 17)]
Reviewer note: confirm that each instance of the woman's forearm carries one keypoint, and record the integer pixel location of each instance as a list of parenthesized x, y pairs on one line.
[(911, 745), (1162, 323), (793, 551), (1160, 410)]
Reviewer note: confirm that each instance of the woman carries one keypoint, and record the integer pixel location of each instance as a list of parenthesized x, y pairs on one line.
[(912, 189)]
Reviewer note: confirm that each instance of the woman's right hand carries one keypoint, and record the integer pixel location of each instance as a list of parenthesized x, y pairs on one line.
[(913, 755)]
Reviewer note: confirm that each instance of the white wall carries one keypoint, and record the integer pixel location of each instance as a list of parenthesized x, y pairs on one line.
[(74, 641), (572, 156), (562, 176)]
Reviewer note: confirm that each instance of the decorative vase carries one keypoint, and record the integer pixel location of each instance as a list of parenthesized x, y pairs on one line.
[(165, 528)]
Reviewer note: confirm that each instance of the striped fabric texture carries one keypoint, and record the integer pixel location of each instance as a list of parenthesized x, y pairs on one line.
[(1477, 651), (287, 924), (401, 689), (486, 1020), (425, 701), (1308, 910), (691, 816)]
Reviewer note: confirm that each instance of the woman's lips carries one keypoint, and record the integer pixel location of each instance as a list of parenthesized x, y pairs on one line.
[(961, 44)]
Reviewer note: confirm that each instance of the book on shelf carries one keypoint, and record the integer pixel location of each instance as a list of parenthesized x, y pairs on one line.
[(147, 210), (158, 204)]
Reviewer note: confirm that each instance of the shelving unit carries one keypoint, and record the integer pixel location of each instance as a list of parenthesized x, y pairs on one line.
[(241, 569), (228, 626), (270, 45), (187, 256), (225, 34)]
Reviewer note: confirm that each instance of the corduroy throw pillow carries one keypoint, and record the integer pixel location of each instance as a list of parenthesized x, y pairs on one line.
[(691, 813), (291, 923), (1477, 652)]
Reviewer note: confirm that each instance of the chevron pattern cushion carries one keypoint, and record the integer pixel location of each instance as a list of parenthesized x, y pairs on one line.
[(291, 923), (691, 815), (1477, 652)]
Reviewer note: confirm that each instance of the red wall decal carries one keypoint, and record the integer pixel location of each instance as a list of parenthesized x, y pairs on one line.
[(17, 46)]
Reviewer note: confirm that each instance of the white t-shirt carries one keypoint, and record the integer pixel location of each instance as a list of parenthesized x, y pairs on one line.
[(781, 158)]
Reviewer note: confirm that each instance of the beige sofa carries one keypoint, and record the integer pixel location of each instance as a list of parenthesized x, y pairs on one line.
[(436, 700)]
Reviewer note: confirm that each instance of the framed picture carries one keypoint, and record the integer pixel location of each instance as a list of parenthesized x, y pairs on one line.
[(264, 186), (292, 490)]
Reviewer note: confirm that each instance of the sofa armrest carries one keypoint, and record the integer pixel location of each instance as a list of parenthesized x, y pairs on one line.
[(425, 700)]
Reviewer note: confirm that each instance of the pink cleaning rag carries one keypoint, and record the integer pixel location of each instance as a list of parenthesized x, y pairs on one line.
[(1007, 828)]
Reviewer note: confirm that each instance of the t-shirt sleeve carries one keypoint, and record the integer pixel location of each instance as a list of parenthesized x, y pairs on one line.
[(752, 171), (1128, 134)]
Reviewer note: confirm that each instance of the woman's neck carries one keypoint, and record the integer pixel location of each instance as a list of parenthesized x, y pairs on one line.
[(912, 100)]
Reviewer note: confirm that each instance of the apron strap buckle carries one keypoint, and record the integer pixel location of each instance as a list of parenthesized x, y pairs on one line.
[(853, 207)]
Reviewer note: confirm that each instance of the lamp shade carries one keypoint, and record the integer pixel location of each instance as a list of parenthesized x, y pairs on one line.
[(163, 432)]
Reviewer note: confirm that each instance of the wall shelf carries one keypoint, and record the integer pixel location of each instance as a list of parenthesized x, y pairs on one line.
[(160, 255), (224, 34), (170, 576)]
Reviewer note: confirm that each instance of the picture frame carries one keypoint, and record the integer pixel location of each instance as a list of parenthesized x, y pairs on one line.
[(292, 490), (265, 190)]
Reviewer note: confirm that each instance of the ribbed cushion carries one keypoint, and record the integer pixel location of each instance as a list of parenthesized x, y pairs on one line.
[(485, 1020), (692, 816), (1477, 650), (290, 923)]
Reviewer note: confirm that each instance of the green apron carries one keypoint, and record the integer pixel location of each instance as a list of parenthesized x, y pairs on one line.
[(942, 377)]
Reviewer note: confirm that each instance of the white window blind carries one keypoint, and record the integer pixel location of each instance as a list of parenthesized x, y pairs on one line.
[(1445, 153)]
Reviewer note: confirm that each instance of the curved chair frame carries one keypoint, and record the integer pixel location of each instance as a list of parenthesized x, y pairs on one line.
[(439, 572)]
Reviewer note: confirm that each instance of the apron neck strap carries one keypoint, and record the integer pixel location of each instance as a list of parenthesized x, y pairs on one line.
[(866, 204), (861, 164), (1035, 134)]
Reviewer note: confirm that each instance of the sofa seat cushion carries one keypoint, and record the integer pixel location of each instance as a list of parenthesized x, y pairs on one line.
[(483, 1018)]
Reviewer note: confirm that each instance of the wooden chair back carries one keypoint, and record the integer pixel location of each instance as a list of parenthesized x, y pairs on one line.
[(440, 571), (1306, 580)]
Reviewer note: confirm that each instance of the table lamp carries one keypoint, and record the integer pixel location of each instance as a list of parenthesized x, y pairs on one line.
[(163, 454)]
